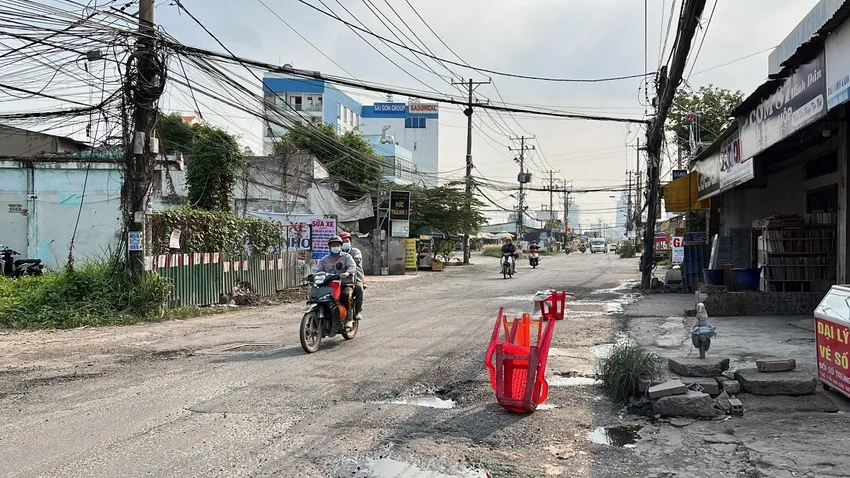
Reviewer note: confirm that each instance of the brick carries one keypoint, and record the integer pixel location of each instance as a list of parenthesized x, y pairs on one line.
[(707, 385), (731, 387), (673, 387), (769, 366), (737, 406)]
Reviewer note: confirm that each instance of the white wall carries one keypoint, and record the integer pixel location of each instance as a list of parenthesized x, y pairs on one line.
[(423, 143)]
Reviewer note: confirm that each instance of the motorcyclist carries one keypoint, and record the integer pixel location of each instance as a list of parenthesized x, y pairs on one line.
[(360, 276), (510, 248), (347, 273), (534, 247)]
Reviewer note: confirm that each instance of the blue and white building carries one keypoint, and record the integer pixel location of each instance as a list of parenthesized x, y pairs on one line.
[(305, 100)]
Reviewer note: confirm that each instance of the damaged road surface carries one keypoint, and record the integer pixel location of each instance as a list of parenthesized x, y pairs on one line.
[(234, 395)]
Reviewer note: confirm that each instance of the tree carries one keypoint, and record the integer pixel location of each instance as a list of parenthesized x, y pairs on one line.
[(349, 156), (175, 135), (444, 208), (215, 158), (709, 107)]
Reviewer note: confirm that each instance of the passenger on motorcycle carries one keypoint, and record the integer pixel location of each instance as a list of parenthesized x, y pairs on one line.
[(534, 247), (347, 273), (510, 248), (360, 276)]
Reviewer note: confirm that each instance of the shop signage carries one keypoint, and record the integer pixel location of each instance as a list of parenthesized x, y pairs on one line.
[(678, 250), (797, 102), (734, 169), (400, 228), (833, 354), (303, 232), (708, 176), (390, 110), (423, 108), (837, 66), (678, 173), (410, 254), (134, 241), (400, 205)]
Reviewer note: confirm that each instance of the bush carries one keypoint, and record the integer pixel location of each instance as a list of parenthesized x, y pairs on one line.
[(493, 250), (101, 293), (627, 251), (623, 370), (213, 231)]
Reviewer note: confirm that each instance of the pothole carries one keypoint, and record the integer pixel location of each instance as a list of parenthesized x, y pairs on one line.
[(623, 436), (389, 468), (251, 348), (429, 401)]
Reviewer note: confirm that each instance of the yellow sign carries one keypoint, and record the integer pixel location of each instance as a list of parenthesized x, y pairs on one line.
[(410, 254)]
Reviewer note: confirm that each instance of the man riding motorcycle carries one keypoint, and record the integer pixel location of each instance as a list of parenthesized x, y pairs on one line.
[(510, 248), (349, 269), (360, 276), (534, 247)]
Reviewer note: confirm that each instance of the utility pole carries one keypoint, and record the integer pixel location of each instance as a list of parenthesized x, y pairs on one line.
[(551, 205), (629, 206), (471, 85), (523, 178), (665, 91), (146, 88)]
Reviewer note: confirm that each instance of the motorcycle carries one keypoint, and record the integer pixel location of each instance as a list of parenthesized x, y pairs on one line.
[(507, 265), (325, 314), (582, 248), (534, 259), (20, 267)]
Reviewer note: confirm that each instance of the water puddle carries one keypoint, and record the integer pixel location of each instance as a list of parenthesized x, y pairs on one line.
[(623, 436), (389, 468), (430, 402)]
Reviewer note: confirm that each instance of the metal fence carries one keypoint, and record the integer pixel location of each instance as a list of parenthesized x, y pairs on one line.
[(201, 279)]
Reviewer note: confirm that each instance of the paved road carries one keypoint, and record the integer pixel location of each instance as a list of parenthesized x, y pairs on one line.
[(170, 400)]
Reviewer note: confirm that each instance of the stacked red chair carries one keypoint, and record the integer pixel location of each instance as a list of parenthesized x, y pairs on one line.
[(517, 364)]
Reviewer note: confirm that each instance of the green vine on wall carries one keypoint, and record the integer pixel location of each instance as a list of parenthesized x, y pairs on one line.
[(213, 231)]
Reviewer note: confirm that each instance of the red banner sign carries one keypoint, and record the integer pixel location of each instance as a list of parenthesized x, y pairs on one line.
[(833, 343)]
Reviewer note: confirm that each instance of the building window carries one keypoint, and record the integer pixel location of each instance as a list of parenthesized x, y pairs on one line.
[(414, 122), (296, 103), (338, 111)]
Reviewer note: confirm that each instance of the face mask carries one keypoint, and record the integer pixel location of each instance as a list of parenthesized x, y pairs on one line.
[(335, 249), (346, 246)]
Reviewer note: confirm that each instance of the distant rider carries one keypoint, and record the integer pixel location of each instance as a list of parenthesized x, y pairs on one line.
[(346, 273), (510, 248), (534, 247), (361, 275)]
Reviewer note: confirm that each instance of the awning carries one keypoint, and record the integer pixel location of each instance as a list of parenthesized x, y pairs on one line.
[(681, 195)]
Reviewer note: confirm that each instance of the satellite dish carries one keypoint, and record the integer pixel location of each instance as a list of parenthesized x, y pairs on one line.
[(287, 66)]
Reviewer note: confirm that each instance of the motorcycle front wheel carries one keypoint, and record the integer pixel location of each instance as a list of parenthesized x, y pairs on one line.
[(311, 332), (352, 332)]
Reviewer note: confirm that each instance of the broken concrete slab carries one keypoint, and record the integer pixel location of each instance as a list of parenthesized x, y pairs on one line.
[(691, 404), (708, 385), (682, 422), (643, 385), (723, 439), (818, 402), (673, 387), (722, 403), (778, 383), (770, 366), (732, 387), (695, 367)]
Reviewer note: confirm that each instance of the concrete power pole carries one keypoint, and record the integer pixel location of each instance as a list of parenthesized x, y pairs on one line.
[(523, 178), (629, 206), (471, 85), (665, 90), (551, 204), (145, 89)]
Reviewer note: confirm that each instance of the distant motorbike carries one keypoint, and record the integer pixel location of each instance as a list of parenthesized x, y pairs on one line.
[(507, 265), (582, 248), (325, 313), (20, 267), (534, 259)]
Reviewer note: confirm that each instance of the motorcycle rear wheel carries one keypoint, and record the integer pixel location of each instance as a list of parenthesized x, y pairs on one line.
[(310, 332), (352, 332)]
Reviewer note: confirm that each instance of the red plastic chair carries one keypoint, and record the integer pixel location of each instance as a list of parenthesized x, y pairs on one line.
[(518, 374)]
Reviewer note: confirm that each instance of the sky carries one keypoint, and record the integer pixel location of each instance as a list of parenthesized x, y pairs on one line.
[(553, 38)]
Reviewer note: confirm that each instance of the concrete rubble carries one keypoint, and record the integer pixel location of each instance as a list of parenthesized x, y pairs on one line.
[(707, 385), (673, 387), (690, 404), (694, 367), (775, 383), (768, 366)]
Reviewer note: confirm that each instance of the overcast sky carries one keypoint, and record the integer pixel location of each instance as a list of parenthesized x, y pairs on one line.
[(554, 38)]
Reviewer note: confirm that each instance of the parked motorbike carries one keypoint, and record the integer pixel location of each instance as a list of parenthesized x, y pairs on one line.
[(507, 265), (534, 259), (325, 313), (20, 267)]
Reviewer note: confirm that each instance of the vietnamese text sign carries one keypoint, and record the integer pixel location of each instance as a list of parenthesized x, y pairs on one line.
[(320, 231), (174, 239), (134, 241), (797, 102), (423, 108), (734, 168), (400, 228), (295, 228), (390, 109), (837, 66), (833, 352), (678, 250), (708, 176), (410, 254), (400, 205), (678, 173)]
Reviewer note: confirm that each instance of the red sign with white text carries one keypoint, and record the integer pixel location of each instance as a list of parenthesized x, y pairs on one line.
[(833, 350)]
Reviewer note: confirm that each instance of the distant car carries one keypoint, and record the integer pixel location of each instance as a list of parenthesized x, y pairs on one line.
[(598, 246), (614, 247)]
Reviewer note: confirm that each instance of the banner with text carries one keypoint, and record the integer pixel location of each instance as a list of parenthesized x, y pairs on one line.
[(735, 169), (708, 176), (837, 66), (797, 102)]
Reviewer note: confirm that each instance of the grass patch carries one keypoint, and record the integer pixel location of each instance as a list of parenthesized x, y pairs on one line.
[(494, 250), (623, 370), (627, 251), (99, 293)]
